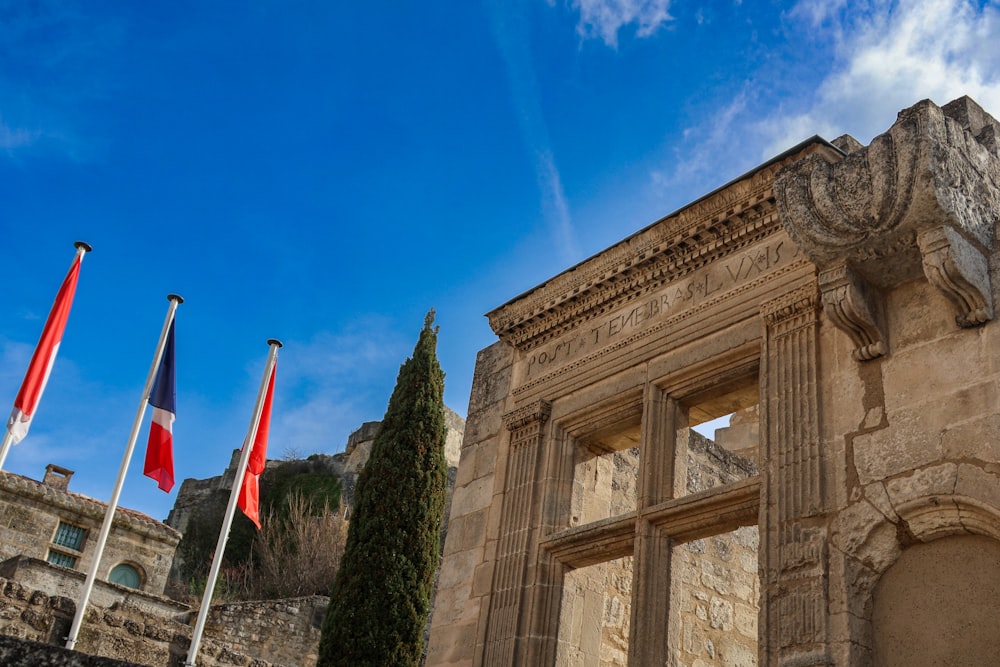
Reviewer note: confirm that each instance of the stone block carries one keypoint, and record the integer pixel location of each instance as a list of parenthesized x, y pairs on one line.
[(930, 481), (976, 438), (472, 497), (976, 483), (910, 442)]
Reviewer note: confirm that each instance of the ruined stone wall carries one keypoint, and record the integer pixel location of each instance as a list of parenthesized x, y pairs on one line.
[(285, 631), (16, 652)]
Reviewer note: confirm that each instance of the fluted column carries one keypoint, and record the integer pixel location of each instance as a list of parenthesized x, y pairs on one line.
[(794, 621)]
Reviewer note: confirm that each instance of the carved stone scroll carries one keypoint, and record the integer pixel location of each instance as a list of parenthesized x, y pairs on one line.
[(925, 193), (851, 304), (961, 271)]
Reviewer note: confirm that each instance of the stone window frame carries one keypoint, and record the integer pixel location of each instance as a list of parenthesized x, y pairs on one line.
[(66, 546), (660, 522)]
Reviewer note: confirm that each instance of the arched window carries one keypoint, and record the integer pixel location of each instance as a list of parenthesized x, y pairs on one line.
[(125, 575)]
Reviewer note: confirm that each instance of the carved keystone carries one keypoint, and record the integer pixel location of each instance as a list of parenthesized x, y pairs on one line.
[(851, 304)]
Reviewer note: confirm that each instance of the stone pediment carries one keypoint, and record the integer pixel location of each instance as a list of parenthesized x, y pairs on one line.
[(719, 224)]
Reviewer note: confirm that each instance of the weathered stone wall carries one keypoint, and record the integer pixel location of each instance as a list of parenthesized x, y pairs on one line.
[(16, 652), (597, 600), (286, 631), (465, 577), (715, 586), (157, 633)]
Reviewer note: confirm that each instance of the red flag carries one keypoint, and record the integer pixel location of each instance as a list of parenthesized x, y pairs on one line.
[(159, 464), (249, 500), (44, 357)]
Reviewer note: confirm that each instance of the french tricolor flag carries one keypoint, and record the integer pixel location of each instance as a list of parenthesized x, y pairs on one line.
[(163, 397)]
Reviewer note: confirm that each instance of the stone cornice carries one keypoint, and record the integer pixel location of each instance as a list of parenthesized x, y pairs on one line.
[(715, 226)]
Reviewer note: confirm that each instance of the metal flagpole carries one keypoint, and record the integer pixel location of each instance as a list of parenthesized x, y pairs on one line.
[(227, 522), (102, 539), (82, 248)]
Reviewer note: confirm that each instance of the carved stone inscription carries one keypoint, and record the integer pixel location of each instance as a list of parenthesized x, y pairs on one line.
[(709, 283)]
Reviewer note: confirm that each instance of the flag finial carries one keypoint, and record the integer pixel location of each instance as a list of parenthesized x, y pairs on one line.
[(83, 245), (275, 341), (175, 297)]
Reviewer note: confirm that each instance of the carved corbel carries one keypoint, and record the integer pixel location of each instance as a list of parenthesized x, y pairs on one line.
[(960, 271), (852, 305)]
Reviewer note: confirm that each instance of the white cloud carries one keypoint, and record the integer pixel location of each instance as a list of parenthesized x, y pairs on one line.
[(605, 18), (884, 56), (892, 57), (319, 383)]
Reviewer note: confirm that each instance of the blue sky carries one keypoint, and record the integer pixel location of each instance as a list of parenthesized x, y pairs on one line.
[(324, 173)]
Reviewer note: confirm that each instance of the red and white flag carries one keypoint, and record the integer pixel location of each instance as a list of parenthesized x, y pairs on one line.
[(44, 357), (159, 464), (249, 499)]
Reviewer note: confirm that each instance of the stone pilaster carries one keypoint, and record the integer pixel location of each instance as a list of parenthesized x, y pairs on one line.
[(794, 623), (518, 522)]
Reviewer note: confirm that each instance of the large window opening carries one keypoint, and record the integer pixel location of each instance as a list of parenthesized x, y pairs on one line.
[(714, 580), (594, 618), (605, 479), (720, 442)]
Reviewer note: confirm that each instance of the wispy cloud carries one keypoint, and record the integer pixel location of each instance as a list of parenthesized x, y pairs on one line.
[(604, 19), (890, 56), (884, 56), (322, 379), (510, 30)]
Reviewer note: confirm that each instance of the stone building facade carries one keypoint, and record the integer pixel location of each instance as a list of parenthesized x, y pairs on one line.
[(839, 302), (47, 521)]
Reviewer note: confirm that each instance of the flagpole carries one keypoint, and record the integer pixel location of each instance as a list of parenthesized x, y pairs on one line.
[(102, 539), (82, 248), (227, 521)]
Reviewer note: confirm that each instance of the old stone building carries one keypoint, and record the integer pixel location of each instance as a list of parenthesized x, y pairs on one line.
[(46, 521), (839, 302)]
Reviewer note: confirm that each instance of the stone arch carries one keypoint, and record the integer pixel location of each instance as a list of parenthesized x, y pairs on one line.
[(873, 534), (937, 604)]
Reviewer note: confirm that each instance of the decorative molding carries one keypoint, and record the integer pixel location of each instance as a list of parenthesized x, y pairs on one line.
[(658, 328), (801, 300), (852, 305), (533, 413), (960, 271)]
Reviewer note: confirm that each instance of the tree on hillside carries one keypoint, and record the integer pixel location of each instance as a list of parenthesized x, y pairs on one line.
[(381, 595), (299, 500)]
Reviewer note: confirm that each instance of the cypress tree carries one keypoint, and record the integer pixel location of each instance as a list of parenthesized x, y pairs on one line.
[(381, 596)]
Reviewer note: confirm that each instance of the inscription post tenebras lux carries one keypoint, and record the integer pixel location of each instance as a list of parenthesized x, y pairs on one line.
[(671, 299)]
